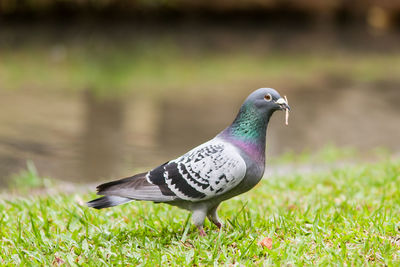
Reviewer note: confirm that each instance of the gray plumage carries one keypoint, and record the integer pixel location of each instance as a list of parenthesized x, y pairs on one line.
[(228, 165)]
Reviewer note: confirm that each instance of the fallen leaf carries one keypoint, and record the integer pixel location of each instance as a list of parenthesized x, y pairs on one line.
[(126, 220), (187, 244), (266, 242)]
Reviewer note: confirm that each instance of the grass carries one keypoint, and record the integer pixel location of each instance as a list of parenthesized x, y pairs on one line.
[(28, 180), (345, 216), (331, 154)]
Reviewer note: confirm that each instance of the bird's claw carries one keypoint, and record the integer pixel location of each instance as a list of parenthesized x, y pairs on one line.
[(201, 231)]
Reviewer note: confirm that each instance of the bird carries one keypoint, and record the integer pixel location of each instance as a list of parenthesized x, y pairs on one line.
[(228, 165)]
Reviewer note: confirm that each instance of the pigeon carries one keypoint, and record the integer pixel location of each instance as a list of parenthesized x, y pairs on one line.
[(230, 164)]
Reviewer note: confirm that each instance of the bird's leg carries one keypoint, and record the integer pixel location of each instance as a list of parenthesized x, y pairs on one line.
[(198, 217), (213, 216)]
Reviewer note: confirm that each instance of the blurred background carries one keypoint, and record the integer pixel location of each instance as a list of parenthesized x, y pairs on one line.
[(92, 90)]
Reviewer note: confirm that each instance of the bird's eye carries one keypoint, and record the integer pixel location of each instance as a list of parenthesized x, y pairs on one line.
[(268, 97)]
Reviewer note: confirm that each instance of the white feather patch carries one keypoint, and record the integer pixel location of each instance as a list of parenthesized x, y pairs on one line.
[(213, 168)]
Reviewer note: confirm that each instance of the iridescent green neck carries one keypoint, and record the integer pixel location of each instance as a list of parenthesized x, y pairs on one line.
[(250, 125), (248, 132)]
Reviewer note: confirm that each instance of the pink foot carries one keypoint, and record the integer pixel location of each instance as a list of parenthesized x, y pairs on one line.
[(201, 232)]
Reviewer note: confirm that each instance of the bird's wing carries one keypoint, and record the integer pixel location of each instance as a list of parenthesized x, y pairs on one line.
[(206, 171)]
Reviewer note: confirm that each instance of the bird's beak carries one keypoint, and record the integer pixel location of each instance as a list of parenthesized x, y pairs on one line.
[(282, 104)]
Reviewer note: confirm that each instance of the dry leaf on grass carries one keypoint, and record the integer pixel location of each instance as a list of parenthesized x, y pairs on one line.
[(266, 242)]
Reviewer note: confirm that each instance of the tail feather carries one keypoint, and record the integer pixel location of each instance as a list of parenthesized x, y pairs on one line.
[(124, 182), (127, 189), (107, 201)]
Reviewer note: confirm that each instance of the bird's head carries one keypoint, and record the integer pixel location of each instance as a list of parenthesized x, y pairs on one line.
[(251, 122), (267, 100)]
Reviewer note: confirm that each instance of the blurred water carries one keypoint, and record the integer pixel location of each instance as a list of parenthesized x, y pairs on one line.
[(79, 136), (83, 138)]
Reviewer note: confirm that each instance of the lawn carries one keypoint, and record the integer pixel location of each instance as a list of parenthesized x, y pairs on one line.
[(347, 216)]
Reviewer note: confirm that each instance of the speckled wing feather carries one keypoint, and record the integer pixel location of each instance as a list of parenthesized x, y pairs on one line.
[(206, 171)]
